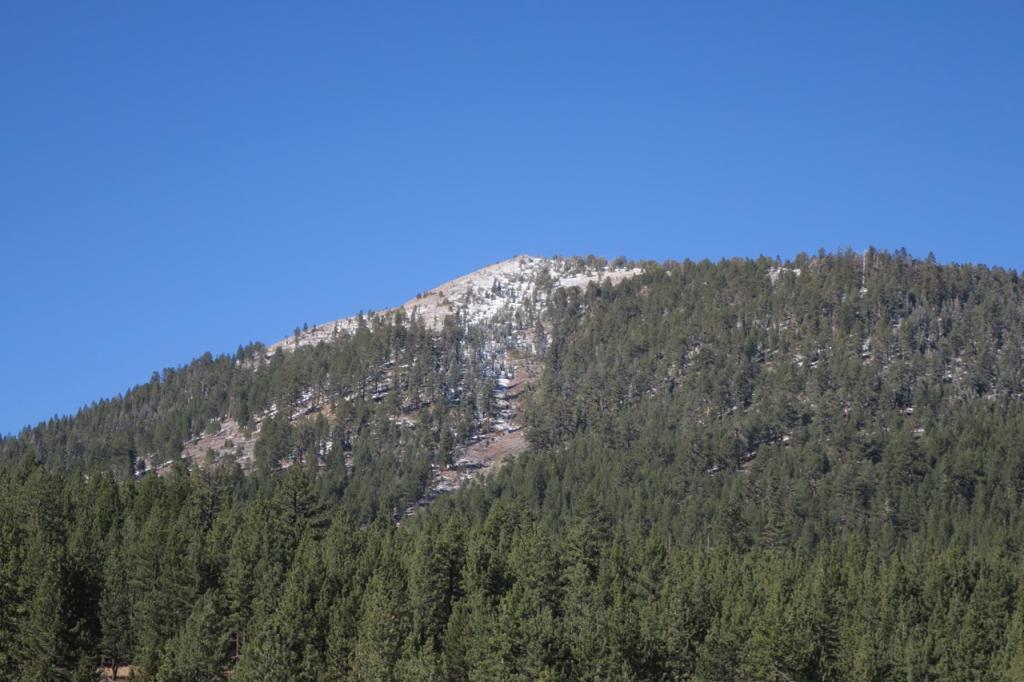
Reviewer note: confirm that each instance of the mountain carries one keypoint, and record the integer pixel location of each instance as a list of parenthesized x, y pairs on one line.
[(750, 469), (457, 387)]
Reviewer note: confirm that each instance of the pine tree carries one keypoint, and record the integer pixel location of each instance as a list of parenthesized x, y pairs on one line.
[(200, 651), (116, 613)]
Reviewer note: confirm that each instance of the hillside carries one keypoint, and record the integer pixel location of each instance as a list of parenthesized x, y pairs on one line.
[(751, 469), (425, 394)]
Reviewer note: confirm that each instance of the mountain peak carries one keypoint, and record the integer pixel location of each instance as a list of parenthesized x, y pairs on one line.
[(493, 291)]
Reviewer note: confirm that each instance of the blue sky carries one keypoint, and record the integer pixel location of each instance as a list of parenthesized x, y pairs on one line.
[(183, 177)]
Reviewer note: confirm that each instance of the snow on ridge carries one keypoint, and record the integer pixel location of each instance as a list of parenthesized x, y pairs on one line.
[(775, 272), (480, 296)]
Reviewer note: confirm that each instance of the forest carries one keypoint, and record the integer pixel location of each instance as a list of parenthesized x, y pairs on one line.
[(743, 470)]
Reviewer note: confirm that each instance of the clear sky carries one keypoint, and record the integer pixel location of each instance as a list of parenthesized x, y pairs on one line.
[(181, 177)]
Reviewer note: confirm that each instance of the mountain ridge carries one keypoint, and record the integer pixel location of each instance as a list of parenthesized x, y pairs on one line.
[(478, 295)]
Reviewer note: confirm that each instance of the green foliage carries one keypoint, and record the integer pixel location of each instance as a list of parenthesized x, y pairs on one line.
[(816, 477)]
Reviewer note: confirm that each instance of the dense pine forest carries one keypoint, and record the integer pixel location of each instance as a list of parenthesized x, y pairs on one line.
[(743, 470)]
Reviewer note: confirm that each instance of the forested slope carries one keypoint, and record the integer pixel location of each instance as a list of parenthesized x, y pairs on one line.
[(738, 470), (370, 412), (866, 394)]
